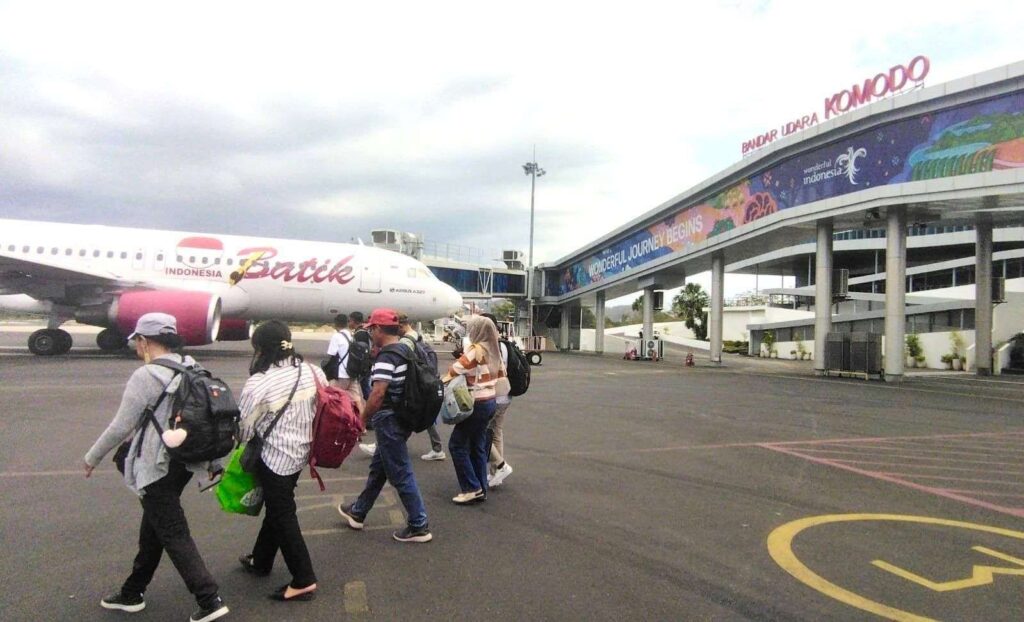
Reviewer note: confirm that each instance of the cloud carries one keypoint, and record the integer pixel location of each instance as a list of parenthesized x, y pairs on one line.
[(325, 120)]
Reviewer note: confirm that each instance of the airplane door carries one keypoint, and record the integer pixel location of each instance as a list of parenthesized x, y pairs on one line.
[(369, 280)]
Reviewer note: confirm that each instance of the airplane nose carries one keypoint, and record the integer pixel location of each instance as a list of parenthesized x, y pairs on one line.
[(453, 300)]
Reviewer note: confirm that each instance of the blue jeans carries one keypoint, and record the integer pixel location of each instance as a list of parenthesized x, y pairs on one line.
[(469, 446), (391, 463)]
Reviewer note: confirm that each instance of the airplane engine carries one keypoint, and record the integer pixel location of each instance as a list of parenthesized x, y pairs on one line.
[(233, 329), (198, 313)]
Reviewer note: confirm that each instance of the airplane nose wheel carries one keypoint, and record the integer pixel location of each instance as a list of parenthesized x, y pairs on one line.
[(49, 342), (110, 340)]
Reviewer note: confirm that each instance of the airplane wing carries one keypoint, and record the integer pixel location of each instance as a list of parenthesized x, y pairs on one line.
[(59, 281)]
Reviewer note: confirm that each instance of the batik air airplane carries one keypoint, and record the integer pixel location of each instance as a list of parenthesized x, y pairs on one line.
[(215, 285)]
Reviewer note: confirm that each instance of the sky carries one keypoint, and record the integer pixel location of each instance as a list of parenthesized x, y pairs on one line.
[(323, 121)]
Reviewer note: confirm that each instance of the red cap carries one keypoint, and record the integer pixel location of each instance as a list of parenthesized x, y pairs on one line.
[(382, 317)]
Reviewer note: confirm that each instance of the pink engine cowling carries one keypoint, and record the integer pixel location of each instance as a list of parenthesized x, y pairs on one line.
[(198, 313), (234, 329)]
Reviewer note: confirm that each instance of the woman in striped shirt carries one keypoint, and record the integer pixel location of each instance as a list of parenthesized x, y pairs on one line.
[(481, 364), (280, 383)]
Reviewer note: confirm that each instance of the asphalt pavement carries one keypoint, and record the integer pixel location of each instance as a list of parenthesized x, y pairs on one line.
[(641, 491)]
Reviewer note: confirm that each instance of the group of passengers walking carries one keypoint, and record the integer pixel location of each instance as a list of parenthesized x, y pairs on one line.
[(278, 405)]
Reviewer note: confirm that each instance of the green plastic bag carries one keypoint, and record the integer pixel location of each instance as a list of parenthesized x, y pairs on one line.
[(238, 492)]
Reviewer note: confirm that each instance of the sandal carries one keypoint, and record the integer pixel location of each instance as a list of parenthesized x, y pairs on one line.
[(279, 593)]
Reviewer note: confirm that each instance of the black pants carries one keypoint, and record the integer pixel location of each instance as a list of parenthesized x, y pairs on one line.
[(281, 529), (164, 527)]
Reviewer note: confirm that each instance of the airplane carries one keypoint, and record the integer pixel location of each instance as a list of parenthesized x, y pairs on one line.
[(215, 285)]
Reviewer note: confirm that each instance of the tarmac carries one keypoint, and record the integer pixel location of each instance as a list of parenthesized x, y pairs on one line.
[(641, 491)]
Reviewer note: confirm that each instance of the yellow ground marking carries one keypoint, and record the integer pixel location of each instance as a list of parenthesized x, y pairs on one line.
[(980, 575), (780, 546), (355, 598)]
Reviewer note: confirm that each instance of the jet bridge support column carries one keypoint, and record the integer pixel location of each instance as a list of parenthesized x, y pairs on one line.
[(822, 293), (717, 305), (599, 323), (895, 291), (648, 301), (563, 328), (983, 296)]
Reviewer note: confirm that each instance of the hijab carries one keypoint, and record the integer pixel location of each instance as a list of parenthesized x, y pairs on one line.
[(483, 333)]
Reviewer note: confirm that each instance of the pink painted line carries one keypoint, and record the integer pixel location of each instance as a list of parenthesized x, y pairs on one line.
[(932, 466), (782, 443), (986, 494), (953, 445), (942, 452), (648, 450), (1018, 512), (952, 449), (889, 438), (868, 454), (955, 479)]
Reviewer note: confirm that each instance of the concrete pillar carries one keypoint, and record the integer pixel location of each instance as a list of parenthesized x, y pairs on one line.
[(599, 328), (822, 293), (563, 328), (983, 296), (895, 292), (717, 305), (648, 313)]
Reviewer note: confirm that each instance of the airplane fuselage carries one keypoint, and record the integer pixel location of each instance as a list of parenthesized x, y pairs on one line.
[(254, 277)]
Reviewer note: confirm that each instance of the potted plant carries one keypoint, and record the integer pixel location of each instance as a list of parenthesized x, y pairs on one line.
[(801, 350), (792, 353), (768, 342), (921, 361), (947, 360), (956, 340), (913, 349)]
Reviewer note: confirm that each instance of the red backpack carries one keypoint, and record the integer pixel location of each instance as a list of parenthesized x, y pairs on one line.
[(336, 429)]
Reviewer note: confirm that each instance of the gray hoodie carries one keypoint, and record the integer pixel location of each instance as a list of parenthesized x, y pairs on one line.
[(152, 464)]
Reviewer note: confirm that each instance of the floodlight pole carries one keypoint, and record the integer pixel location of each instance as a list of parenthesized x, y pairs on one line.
[(532, 169)]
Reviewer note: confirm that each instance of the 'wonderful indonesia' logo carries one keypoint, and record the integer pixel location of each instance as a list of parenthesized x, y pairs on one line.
[(843, 165)]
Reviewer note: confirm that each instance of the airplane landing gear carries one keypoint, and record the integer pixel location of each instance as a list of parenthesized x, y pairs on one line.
[(110, 340), (49, 342)]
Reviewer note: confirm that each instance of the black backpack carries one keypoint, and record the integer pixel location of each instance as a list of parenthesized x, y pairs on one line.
[(205, 408), (423, 351), (517, 368), (422, 391), (357, 361)]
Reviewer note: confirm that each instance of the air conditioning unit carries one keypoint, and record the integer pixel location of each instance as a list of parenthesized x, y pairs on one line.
[(512, 259), (659, 301), (837, 351), (998, 289)]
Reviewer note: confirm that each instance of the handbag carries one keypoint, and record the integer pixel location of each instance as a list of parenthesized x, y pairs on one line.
[(238, 492), (458, 401), (253, 450), (121, 455)]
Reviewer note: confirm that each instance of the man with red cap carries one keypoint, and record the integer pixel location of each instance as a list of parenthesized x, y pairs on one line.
[(391, 463)]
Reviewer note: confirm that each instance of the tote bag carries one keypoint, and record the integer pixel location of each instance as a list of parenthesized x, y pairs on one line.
[(238, 491), (458, 401)]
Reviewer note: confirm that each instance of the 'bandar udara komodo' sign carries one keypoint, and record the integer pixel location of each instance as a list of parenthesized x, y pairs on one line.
[(876, 87), (970, 138)]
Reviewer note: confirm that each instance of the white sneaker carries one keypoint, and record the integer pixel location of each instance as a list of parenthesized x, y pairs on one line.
[(432, 455), (368, 448), (499, 476)]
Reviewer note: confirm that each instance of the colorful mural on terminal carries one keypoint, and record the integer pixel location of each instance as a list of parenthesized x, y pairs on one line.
[(973, 138)]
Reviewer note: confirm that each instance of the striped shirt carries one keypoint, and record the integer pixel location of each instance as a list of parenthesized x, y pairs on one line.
[(286, 450), (480, 374), (390, 367)]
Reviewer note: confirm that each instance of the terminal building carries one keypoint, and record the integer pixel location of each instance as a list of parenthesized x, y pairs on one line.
[(903, 210)]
